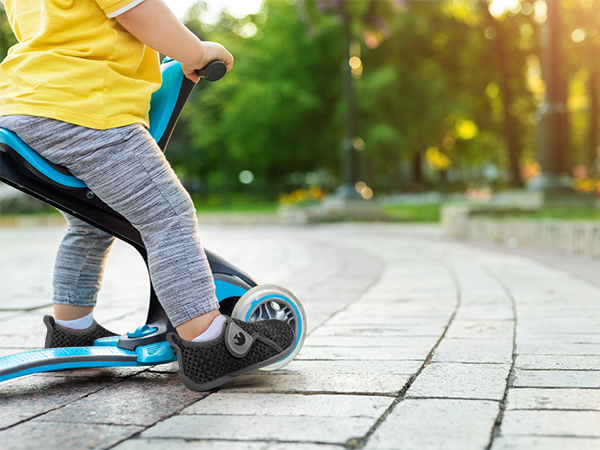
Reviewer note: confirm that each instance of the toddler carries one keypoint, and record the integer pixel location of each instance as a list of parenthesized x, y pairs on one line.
[(77, 89)]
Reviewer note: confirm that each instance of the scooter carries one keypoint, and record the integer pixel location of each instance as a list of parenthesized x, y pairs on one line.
[(239, 295)]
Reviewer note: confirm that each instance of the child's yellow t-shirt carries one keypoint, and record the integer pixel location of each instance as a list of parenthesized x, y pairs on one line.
[(75, 63)]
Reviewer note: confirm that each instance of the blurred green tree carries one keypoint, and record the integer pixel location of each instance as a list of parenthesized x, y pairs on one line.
[(276, 113), (7, 38)]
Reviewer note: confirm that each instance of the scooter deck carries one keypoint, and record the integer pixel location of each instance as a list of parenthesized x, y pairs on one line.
[(104, 353)]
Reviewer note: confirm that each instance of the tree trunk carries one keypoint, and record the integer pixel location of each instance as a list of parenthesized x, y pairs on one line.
[(417, 173), (511, 128)]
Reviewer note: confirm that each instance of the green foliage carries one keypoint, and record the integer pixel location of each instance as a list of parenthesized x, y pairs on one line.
[(276, 113), (429, 212), (7, 38), (447, 92)]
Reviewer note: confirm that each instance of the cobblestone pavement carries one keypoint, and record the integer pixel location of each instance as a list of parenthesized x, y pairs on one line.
[(416, 342)]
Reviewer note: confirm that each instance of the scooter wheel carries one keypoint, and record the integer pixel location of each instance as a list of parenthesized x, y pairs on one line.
[(269, 301)]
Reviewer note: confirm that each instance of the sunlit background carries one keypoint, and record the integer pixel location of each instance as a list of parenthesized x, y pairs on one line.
[(237, 8), (392, 101)]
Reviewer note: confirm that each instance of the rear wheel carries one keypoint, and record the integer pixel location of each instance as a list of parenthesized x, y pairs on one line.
[(269, 301)]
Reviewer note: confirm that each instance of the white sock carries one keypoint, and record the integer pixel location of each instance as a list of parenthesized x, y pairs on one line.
[(213, 331), (78, 324)]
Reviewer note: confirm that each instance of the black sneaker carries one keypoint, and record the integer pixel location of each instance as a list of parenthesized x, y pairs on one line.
[(59, 336), (240, 348)]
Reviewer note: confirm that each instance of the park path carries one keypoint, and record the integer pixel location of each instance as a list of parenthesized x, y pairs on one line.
[(416, 342)]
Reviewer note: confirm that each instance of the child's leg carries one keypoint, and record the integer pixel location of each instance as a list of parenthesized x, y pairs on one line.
[(78, 269), (126, 169)]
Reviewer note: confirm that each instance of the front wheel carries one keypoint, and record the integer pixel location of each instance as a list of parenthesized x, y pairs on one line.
[(269, 301)]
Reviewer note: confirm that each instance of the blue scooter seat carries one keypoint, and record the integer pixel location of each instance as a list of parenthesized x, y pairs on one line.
[(162, 105)]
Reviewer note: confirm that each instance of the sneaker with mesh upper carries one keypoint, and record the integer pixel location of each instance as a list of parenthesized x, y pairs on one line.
[(59, 336), (240, 348)]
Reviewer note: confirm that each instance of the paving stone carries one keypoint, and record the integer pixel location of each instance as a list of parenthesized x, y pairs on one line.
[(35, 435), (561, 309), (180, 444), (558, 349), (544, 443), (165, 368), (481, 329), (24, 398), (4, 315), (394, 292), (364, 353), (436, 424), (455, 380), (559, 325), (23, 324), (341, 406), (351, 367), (557, 378), (552, 423), (574, 399), (329, 430), (418, 329), (370, 341), (141, 400), (345, 318), (375, 304), (368, 383), (485, 312), (485, 299), (33, 340), (570, 362), (573, 338), (474, 351)]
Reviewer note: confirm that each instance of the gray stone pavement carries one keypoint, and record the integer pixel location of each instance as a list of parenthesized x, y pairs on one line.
[(416, 342)]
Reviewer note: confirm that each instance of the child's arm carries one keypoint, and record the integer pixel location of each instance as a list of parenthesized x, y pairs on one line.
[(153, 23)]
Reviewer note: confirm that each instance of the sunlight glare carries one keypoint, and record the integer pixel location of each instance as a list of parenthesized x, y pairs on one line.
[(237, 8)]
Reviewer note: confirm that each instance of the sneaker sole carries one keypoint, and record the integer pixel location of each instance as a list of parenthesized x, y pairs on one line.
[(190, 384)]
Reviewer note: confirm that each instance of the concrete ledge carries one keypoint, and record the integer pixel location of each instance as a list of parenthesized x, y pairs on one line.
[(562, 236), (333, 209)]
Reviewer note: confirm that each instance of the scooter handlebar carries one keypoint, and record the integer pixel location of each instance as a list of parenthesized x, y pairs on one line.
[(213, 71)]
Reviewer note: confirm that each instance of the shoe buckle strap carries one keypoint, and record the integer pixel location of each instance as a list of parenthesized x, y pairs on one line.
[(237, 341)]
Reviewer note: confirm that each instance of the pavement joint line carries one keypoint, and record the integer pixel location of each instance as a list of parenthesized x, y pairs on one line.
[(559, 370), (410, 397), (168, 441), (356, 299), (556, 387), (360, 394), (28, 419), (395, 360), (555, 355), (556, 409), (117, 380), (511, 373), (24, 310), (543, 258), (110, 424), (471, 363), (360, 443), (570, 436)]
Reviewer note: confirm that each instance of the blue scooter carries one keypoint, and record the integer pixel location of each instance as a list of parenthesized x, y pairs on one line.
[(239, 295)]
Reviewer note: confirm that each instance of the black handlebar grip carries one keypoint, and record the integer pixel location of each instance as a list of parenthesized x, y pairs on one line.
[(213, 71)]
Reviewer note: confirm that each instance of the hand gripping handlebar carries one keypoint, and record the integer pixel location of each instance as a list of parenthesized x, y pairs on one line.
[(213, 71)]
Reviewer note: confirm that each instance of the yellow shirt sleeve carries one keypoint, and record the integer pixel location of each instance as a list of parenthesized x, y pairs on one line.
[(113, 8)]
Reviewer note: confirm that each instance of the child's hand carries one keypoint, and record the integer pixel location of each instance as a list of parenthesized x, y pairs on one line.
[(153, 23), (213, 52)]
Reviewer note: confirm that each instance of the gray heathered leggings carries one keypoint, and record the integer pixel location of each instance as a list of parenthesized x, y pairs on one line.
[(126, 169)]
